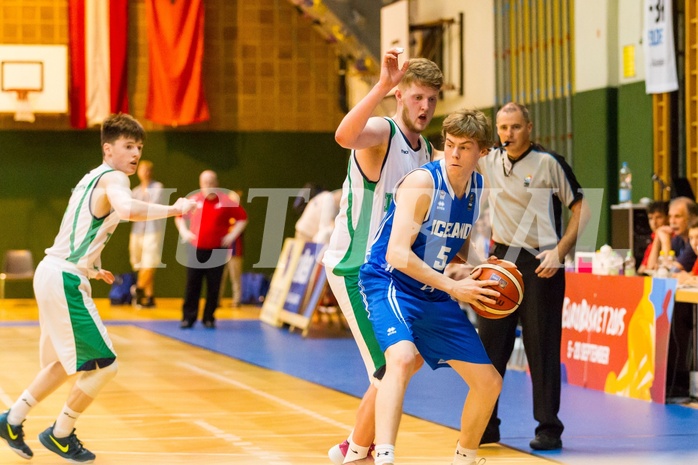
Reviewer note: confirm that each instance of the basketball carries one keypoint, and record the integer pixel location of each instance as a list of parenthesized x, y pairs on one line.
[(510, 287)]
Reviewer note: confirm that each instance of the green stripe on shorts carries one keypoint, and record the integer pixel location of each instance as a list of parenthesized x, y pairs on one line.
[(351, 284), (89, 343)]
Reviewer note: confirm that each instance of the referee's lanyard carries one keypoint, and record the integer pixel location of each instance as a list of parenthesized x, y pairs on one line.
[(507, 163)]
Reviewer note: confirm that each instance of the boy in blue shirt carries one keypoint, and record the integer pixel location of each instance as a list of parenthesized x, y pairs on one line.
[(411, 302)]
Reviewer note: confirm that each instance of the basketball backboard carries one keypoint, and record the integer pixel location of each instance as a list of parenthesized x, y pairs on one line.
[(39, 72), (22, 75)]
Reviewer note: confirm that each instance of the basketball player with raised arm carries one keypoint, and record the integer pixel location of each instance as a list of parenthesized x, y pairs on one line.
[(413, 305), (73, 336), (383, 151)]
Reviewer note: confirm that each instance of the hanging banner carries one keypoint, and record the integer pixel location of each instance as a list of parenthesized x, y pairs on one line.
[(175, 52), (658, 43), (98, 40)]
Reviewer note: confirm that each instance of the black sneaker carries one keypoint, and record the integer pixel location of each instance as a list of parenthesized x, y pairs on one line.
[(544, 441), (147, 302), (209, 324), (137, 296), (69, 448), (14, 435)]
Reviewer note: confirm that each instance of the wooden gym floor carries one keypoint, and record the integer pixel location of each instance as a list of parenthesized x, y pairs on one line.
[(181, 397)]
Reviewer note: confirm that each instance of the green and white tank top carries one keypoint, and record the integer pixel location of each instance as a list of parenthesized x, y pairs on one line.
[(364, 203), (82, 237)]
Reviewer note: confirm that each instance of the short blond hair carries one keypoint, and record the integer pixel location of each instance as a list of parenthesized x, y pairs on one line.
[(469, 123), (422, 72)]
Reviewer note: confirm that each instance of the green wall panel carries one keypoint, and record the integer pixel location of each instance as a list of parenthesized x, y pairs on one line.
[(635, 138), (39, 168), (612, 126), (594, 161)]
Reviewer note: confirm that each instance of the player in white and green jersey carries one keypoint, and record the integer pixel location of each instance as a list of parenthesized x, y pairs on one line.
[(73, 337), (383, 151), (362, 208)]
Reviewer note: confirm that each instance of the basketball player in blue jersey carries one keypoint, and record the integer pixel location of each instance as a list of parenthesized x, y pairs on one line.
[(73, 337), (413, 305), (384, 149)]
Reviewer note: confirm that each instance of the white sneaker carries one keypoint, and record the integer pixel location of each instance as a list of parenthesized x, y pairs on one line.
[(338, 452)]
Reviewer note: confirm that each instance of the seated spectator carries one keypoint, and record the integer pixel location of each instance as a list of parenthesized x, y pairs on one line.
[(682, 210), (682, 216), (657, 215), (686, 278)]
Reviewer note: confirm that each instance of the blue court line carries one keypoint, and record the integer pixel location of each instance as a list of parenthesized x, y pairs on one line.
[(596, 423)]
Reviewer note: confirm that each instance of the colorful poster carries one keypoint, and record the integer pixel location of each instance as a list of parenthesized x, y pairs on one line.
[(318, 288), (305, 272), (615, 333), (281, 281)]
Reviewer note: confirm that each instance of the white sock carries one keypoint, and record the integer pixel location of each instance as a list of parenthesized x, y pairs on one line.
[(385, 453), (464, 456), (65, 423), (355, 452), (21, 408)]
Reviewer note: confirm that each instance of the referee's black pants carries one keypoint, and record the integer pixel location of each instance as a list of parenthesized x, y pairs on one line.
[(197, 271), (540, 314)]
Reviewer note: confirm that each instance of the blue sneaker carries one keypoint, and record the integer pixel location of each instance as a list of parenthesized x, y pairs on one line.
[(14, 435), (69, 448)]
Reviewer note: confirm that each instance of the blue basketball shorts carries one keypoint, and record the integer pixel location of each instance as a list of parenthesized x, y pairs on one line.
[(439, 328)]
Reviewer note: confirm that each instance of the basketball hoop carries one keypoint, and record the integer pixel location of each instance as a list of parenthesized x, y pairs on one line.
[(23, 111), (21, 77)]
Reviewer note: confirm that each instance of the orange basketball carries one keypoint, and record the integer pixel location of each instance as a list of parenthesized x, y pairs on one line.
[(510, 287)]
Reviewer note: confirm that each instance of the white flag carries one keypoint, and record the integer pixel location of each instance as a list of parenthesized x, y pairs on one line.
[(658, 43)]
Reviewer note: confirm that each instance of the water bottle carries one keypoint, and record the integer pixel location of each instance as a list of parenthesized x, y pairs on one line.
[(615, 265), (629, 264), (671, 263), (662, 270), (625, 184)]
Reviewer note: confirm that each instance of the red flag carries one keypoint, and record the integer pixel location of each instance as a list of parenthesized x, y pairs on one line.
[(98, 51), (175, 50)]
